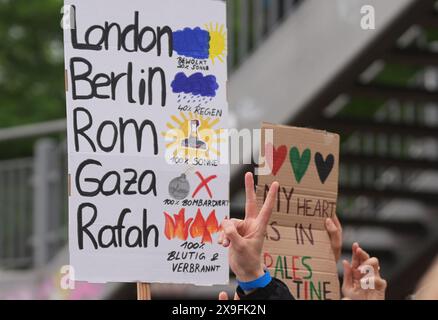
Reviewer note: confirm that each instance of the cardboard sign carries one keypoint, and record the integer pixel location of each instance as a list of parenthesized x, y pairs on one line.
[(146, 102), (297, 247)]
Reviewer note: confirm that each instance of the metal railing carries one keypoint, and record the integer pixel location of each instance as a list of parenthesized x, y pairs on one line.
[(33, 206), (16, 218), (250, 22)]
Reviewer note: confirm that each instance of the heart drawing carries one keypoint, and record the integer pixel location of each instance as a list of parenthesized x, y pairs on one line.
[(300, 163), (275, 157), (324, 167)]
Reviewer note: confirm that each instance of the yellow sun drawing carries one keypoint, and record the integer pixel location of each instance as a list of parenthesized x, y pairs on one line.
[(180, 131), (218, 42)]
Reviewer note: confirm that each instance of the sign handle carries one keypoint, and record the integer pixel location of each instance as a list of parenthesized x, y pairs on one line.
[(143, 291)]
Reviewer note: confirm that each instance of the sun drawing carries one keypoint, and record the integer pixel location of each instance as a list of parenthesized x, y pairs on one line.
[(179, 130), (218, 42)]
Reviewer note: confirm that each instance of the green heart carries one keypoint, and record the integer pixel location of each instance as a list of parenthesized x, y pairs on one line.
[(299, 163)]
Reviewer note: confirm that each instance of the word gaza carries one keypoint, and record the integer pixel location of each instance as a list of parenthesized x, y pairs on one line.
[(111, 182)]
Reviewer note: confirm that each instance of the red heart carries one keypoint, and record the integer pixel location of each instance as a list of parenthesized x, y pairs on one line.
[(275, 157)]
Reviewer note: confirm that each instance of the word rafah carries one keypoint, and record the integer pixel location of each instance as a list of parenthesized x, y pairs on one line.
[(116, 236)]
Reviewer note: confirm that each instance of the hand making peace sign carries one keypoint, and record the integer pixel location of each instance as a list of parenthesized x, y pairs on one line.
[(245, 237)]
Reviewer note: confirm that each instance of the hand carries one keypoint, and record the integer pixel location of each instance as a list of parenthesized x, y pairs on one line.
[(427, 288), (334, 229), (224, 296), (362, 286), (245, 237)]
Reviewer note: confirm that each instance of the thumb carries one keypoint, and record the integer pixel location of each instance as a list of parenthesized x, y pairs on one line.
[(232, 235), (331, 227), (348, 275), (223, 296)]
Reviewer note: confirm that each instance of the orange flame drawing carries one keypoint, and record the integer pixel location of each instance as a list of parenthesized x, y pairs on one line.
[(178, 228), (204, 228), (212, 224)]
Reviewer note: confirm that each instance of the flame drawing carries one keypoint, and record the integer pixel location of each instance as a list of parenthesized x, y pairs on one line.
[(178, 228), (204, 228)]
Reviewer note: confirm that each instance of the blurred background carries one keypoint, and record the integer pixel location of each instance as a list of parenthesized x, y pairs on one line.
[(305, 63)]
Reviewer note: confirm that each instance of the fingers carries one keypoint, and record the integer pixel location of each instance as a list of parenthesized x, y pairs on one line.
[(354, 257), (331, 226), (335, 235), (232, 235), (381, 284), (374, 283), (358, 258), (362, 255), (268, 206), (348, 275), (374, 263), (354, 246), (337, 222), (239, 225), (373, 276), (220, 239), (223, 240), (223, 296), (251, 199)]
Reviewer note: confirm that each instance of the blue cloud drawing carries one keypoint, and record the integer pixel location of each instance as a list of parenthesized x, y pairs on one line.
[(196, 84), (193, 43)]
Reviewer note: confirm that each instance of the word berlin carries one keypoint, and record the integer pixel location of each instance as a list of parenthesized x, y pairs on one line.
[(131, 38)]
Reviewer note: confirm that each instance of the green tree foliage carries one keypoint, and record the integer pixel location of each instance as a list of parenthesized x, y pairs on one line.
[(31, 62)]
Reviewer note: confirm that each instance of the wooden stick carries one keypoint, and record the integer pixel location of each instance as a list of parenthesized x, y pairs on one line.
[(143, 291)]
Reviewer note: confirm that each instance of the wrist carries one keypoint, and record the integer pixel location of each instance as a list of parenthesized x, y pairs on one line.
[(251, 274), (255, 284)]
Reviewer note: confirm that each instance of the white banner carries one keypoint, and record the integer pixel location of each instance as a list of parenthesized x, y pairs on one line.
[(146, 102)]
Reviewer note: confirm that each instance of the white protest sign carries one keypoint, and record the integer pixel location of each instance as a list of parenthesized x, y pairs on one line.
[(146, 102)]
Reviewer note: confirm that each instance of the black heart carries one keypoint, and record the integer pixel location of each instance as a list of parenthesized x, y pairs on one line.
[(324, 166)]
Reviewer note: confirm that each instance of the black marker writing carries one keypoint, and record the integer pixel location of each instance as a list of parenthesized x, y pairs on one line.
[(104, 86), (114, 236), (117, 131), (131, 38)]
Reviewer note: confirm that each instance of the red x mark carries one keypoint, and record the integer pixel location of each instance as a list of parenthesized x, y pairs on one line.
[(204, 184)]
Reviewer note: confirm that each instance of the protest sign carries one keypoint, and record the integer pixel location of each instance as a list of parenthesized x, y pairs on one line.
[(146, 102), (297, 246)]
